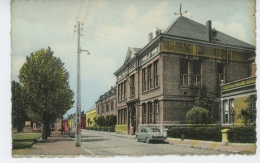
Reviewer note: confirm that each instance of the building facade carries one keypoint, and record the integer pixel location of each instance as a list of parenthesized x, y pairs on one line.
[(91, 116), (158, 83), (238, 100), (106, 104)]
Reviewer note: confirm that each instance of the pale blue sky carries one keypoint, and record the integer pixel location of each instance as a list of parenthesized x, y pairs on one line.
[(111, 26)]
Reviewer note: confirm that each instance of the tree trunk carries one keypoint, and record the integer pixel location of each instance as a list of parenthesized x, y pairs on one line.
[(46, 129)]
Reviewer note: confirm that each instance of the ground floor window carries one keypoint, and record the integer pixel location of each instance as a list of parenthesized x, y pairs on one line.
[(150, 115), (143, 113)]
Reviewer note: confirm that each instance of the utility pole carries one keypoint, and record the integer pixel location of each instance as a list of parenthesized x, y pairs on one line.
[(78, 109)]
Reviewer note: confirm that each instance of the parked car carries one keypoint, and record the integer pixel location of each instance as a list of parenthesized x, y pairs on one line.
[(150, 134)]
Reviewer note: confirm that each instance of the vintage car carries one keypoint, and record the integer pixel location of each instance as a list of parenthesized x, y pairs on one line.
[(150, 134)]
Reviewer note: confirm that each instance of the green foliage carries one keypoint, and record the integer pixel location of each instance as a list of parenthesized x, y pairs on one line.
[(202, 99), (109, 120), (45, 87), (18, 106), (242, 135), (236, 135), (104, 128), (196, 133), (197, 115), (24, 140), (249, 113)]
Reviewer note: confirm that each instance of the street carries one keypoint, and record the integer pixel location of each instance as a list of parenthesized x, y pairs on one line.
[(101, 143)]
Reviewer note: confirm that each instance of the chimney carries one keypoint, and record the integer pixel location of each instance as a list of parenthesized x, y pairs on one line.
[(150, 36), (209, 28)]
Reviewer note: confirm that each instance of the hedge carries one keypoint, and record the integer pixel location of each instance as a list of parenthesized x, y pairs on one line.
[(236, 135), (106, 128)]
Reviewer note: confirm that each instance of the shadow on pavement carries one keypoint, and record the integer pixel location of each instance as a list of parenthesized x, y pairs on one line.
[(92, 140)]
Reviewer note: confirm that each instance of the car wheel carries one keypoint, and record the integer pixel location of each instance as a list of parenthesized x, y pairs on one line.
[(137, 138), (147, 140)]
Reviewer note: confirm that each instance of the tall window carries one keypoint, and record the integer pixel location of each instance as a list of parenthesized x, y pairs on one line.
[(121, 85), (112, 104), (144, 113), (125, 112), (156, 76), (98, 109), (125, 89), (197, 73), (226, 111), (184, 78), (156, 106), (103, 110), (150, 113), (107, 107), (132, 85), (231, 110), (144, 79), (149, 75), (221, 72), (118, 92)]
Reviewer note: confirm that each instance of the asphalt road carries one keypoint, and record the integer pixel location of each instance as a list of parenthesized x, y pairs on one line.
[(99, 143)]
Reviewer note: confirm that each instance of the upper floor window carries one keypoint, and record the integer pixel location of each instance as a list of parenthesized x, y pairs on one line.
[(112, 104), (121, 85), (156, 76), (220, 72), (118, 92), (132, 85), (144, 79), (149, 75), (197, 79), (184, 75), (107, 107), (124, 89), (102, 108)]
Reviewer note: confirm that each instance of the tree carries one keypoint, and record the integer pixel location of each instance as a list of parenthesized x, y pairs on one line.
[(95, 120), (197, 115), (202, 99), (248, 114), (89, 121), (18, 107), (46, 88)]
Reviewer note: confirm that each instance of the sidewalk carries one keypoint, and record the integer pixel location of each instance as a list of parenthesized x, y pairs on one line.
[(237, 148), (56, 145)]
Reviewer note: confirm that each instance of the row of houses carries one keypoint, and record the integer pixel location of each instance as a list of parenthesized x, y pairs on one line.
[(158, 83)]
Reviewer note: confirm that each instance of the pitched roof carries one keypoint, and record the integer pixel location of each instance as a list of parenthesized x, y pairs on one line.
[(184, 27), (130, 53)]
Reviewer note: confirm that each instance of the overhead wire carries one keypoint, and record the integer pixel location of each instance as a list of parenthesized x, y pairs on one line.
[(158, 15), (87, 13), (117, 17)]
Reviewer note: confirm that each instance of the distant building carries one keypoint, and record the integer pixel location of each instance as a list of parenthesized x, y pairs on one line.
[(106, 104), (157, 84), (238, 100), (90, 117), (72, 120)]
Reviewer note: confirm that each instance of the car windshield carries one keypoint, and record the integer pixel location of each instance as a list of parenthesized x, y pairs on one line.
[(154, 130)]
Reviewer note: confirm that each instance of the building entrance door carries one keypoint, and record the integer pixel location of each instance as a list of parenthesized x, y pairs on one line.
[(133, 121)]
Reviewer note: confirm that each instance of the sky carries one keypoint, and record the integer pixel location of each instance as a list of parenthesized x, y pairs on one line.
[(109, 28)]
